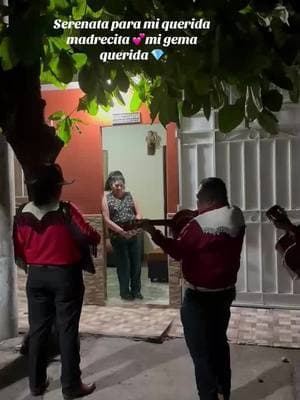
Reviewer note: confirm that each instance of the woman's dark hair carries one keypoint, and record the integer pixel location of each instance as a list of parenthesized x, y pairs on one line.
[(113, 177), (212, 190)]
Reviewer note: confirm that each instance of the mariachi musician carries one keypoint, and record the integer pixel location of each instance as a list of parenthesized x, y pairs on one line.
[(288, 245), (209, 247)]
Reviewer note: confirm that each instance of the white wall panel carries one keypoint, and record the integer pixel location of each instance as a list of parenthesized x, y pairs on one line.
[(236, 181), (282, 168), (251, 168), (268, 258), (267, 170), (205, 167), (189, 178), (222, 155), (253, 258), (295, 172), (259, 172)]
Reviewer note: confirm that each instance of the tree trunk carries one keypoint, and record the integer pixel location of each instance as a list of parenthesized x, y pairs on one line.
[(8, 297), (22, 118), (34, 143)]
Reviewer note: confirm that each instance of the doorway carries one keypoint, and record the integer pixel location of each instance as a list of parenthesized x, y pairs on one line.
[(125, 149)]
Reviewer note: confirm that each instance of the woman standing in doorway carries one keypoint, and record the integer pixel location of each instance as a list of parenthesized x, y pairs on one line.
[(118, 208)]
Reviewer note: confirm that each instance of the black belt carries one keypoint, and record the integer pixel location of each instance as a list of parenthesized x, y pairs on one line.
[(53, 266)]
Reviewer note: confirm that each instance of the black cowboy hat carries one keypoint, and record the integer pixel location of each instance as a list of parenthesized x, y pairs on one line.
[(48, 174)]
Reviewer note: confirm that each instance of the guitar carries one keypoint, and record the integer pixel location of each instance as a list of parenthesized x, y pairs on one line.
[(176, 224), (286, 245)]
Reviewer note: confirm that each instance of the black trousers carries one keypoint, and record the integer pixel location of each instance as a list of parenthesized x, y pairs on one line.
[(205, 318), (54, 293)]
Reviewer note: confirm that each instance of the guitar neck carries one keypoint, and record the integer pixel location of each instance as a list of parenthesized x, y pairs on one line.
[(137, 224), (161, 222)]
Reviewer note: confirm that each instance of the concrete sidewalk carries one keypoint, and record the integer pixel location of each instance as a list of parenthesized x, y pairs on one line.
[(125, 369)]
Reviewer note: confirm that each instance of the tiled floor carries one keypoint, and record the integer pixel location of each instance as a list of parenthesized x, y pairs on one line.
[(153, 292), (268, 327)]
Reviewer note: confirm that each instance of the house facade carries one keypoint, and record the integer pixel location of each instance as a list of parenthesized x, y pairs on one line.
[(260, 170)]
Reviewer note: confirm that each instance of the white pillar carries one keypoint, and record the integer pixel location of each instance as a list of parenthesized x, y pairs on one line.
[(8, 274)]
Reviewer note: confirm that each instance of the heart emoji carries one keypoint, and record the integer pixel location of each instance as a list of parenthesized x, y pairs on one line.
[(142, 35), (137, 40)]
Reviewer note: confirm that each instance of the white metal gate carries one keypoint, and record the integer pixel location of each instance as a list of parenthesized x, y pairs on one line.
[(259, 171)]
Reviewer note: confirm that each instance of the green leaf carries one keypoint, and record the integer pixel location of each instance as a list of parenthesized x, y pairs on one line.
[(268, 121), (9, 58), (88, 104), (202, 84), (217, 98), (255, 91), (294, 75), (188, 109), (57, 116), (92, 106), (95, 5), (215, 51), (119, 97), (141, 6), (158, 93), (105, 108), (206, 107), (168, 111), (115, 7), (253, 104), (272, 100), (135, 102), (65, 67), (64, 130), (239, 5), (88, 80), (58, 5), (58, 43), (102, 97), (280, 79), (247, 10), (47, 76), (79, 59), (122, 81), (230, 116), (78, 12)]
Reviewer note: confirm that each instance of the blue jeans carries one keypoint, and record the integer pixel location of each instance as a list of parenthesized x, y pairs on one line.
[(128, 260), (205, 318)]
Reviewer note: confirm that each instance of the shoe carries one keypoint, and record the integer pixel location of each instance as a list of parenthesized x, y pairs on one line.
[(81, 391), (138, 296), (40, 390), (127, 297)]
